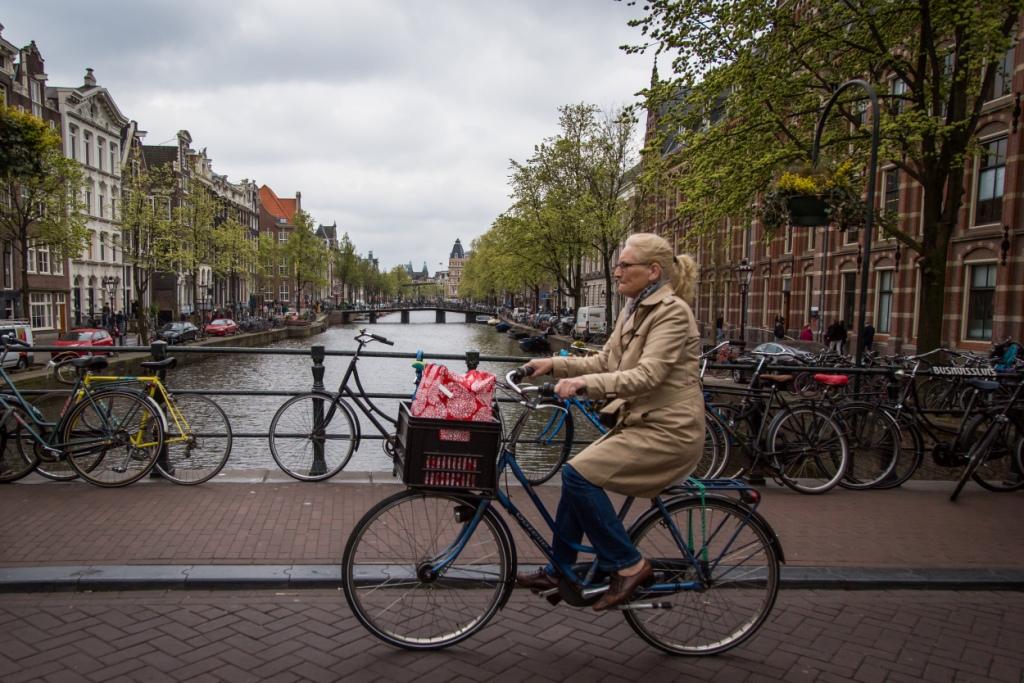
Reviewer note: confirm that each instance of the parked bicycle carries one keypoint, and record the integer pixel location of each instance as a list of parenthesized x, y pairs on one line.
[(109, 438), (428, 567)]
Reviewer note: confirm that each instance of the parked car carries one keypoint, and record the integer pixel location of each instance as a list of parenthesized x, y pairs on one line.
[(178, 332), (782, 353), (221, 327), (82, 336), (22, 331)]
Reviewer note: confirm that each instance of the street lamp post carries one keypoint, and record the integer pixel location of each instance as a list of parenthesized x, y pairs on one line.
[(744, 273)]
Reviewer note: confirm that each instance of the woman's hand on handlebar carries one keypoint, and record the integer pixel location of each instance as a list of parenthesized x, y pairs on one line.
[(541, 366), (570, 386)]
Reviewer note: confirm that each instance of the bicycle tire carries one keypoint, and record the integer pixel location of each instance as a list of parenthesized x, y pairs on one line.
[(16, 461), (873, 441), (808, 449), (197, 452), (975, 454), (1001, 470), (383, 570), (544, 442), (296, 433), (910, 458), (54, 467), (742, 563), (114, 437), (712, 420), (712, 457)]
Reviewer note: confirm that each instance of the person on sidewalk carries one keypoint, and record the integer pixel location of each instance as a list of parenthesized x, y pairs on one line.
[(869, 336), (834, 338), (780, 328), (806, 334), (648, 370)]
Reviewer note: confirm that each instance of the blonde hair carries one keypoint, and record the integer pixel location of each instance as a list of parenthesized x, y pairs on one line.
[(682, 269)]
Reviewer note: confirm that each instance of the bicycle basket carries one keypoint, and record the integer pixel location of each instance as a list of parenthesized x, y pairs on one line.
[(447, 454)]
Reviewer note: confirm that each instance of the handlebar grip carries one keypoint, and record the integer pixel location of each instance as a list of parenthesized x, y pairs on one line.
[(382, 340), (547, 390), (521, 372), (12, 341)]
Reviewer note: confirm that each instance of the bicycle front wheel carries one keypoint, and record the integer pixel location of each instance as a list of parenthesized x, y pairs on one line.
[(808, 449), (387, 569), (198, 448), (17, 458), (1001, 468), (740, 564), (113, 437), (544, 442), (873, 439), (312, 437)]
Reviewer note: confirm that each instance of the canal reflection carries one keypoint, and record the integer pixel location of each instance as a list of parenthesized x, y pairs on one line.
[(252, 414)]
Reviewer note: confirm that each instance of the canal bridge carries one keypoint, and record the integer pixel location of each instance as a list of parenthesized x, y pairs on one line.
[(441, 312)]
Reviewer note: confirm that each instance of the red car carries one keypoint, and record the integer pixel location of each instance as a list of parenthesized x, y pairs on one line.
[(221, 327), (82, 336)]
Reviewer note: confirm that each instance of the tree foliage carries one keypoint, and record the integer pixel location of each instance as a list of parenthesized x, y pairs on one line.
[(750, 78), (41, 201)]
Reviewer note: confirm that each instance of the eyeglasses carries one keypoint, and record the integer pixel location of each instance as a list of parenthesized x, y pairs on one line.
[(622, 265)]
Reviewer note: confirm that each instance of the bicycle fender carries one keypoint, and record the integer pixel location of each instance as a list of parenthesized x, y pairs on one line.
[(756, 518)]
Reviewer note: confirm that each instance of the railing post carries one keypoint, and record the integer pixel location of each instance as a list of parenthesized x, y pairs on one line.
[(158, 349), (472, 360), (319, 465)]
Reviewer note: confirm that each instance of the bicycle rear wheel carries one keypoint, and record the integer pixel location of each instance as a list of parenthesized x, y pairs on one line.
[(386, 569), (808, 449), (198, 450), (52, 465), (740, 563), (305, 444), (113, 437), (544, 442), (17, 458), (873, 438)]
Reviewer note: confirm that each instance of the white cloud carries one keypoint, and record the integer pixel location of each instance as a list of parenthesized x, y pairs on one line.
[(394, 118)]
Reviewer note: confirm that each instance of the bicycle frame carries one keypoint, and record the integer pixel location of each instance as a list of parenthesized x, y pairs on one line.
[(507, 461), (361, 400), (155, 390)]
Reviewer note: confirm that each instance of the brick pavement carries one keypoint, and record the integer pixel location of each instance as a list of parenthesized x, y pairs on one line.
[(157, 523), (311, 636)]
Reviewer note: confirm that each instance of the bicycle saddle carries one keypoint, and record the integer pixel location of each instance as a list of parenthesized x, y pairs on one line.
[(832, 380), (90, 362), (777, 379), (985, 385), (165, 364)]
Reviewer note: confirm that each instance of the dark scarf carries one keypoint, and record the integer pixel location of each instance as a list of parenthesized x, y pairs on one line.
[(647, 291)]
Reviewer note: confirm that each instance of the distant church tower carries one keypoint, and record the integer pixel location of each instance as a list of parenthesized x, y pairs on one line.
[(455, 261)]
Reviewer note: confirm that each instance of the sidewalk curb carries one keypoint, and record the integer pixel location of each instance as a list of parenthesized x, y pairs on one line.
[(211, 577)]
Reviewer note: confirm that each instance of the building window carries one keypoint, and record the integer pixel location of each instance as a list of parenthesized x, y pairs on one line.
[(31, 257), (113, 208), (56, 266), (8, 266), (88, 200), (43, 259), (100, 201), (898, 92), (883, 317), (41, 304), (282, 267), (283, 293), (114, 166), (891, 199), (87, 146), (1002, 84), (849, 296), (979, 301), (988, 207), (36, 95), (73, 141), (88, 245), (100, 144), (789, 240), (103, 247)]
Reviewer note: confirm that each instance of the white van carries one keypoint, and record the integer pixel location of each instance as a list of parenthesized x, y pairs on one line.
[(591, 320), (21, 329)]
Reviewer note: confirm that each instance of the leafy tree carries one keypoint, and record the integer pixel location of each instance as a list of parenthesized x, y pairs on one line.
[(750, 78), (232, 253), (40, 193), (306, 256), (194, 220), (345, 265), (149, 235)]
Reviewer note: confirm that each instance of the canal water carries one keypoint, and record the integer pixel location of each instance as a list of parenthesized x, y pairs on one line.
[(252, 414)]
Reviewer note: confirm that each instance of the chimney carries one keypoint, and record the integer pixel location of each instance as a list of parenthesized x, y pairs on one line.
[(89, 78), (298, 200)]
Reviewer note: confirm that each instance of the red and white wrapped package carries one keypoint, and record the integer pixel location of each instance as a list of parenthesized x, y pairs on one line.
[(447, 395)]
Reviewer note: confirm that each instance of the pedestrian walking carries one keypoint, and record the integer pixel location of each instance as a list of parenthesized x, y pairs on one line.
[(869, 336), (806, 334), (780, 328)]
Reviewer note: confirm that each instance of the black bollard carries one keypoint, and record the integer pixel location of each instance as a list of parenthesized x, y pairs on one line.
[(472, 360), (319, 465)]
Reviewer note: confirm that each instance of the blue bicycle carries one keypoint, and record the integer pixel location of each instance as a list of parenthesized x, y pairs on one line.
[(428, 567)]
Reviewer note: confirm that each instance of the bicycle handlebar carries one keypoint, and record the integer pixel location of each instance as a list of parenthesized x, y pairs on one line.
[(375, 337), (382, 339), (8, 340)]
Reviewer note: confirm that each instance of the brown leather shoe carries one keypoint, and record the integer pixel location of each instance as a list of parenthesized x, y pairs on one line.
[(623, 587), (538, 581)]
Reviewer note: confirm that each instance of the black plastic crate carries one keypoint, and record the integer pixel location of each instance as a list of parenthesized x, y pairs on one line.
[(447, 454)]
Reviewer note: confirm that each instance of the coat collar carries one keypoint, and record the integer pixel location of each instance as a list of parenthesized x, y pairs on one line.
[(650, 300)]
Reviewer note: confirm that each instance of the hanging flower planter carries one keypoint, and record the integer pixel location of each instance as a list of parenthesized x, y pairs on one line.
[(807, 210)]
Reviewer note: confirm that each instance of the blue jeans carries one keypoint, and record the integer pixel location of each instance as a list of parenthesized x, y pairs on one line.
[(586, 509)]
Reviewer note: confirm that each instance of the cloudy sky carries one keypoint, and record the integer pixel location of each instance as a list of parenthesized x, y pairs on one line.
[(395, 118)]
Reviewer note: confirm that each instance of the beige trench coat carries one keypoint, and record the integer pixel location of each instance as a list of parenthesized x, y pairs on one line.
[(651, 362)]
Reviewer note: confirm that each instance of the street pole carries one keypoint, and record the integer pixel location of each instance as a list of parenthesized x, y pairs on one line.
[(869, 213)]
